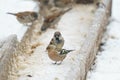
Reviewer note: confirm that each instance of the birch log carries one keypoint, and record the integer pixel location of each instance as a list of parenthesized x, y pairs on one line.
[(91, 45)]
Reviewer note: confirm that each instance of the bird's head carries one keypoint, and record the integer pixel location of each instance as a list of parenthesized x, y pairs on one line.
[(34, 14), (57, 35)]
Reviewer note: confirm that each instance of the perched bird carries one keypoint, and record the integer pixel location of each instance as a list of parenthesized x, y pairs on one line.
[(51, 13), (25, 17), (57, 55), (52, 16), (57, 41)]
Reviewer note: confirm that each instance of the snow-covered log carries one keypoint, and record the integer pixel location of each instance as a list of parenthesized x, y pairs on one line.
[(91, 44), (77, 64)]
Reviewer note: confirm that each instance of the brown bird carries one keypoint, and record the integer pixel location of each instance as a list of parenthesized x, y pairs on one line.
[(25, 17), (52, 17), (56, 55), (57, 41)]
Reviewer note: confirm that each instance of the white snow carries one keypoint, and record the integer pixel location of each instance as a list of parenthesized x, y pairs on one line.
[(107, 64), (9, 24)]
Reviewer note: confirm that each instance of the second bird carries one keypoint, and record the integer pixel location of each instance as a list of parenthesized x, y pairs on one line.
[(57, 41), (25, 17), (56, 55)]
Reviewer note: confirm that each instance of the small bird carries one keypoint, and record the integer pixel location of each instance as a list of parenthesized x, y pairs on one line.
[(57, 55), (52, 16), (25, 17), (57, 41)]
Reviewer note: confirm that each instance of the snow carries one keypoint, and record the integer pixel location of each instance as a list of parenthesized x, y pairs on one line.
[(9, 24), (40, 67), (107, 64)]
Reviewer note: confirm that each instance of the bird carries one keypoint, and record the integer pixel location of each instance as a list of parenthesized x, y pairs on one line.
[(56, 55), (57, 41), (25, 17), (52, 16)]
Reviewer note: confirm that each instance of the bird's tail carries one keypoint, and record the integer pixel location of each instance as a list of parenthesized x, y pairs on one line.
[(11, 13), (64, 51), (69, 50)]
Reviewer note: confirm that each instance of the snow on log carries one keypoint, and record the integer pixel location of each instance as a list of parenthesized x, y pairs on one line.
[(91, 45)]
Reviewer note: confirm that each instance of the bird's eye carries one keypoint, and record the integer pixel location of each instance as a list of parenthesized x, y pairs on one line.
[(35, 15)]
